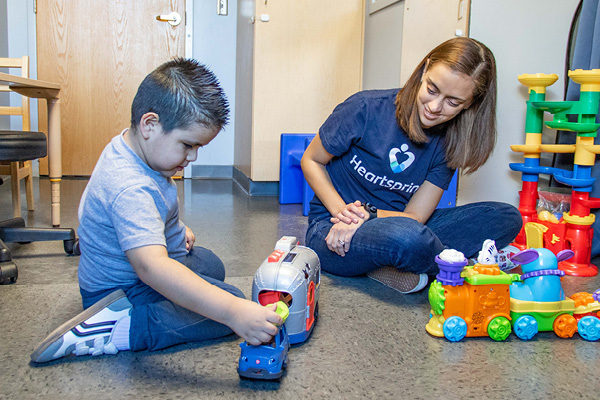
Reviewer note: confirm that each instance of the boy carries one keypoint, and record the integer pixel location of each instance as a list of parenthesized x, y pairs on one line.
[(143, 284)]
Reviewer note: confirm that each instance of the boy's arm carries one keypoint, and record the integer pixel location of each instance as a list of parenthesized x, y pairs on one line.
[(179, 284)]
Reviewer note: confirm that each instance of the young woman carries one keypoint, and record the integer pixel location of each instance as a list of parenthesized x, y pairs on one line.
[(383, 158)]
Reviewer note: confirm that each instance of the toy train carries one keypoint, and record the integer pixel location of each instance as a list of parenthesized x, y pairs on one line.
[(482, 300), (291, 277)]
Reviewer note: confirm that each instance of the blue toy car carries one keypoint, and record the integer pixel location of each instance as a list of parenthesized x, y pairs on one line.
[(265, 361)]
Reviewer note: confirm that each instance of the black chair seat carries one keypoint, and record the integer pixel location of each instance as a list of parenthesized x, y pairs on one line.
[(22, 146)]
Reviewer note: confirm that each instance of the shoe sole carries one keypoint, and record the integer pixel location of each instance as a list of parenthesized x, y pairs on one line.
[(391, 278), (59, 332)]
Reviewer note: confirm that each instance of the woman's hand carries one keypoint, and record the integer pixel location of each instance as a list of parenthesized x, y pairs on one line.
[(340, 235), (352, 213), (190, 239)]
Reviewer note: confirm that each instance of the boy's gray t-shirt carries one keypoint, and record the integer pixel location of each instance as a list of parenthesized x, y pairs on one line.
[(125, 205)]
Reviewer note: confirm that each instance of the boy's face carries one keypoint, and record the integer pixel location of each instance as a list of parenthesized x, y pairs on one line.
[(170, 152)]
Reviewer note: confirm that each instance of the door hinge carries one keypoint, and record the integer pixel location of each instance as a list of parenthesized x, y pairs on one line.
[(35, 6)]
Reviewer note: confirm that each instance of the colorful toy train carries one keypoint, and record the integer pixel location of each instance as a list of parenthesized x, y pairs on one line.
[(482, 300)]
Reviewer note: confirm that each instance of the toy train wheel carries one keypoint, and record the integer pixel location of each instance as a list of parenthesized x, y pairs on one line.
[(526, 327), (499, 328), (589, 328), (565, 326), (455, 328)]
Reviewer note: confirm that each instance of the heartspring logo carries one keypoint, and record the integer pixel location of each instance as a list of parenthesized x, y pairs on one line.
[(399, 167)]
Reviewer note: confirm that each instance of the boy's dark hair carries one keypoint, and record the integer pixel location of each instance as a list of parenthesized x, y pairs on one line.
[(182, 92)]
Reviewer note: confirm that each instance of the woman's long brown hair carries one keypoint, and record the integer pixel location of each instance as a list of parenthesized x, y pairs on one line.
[(471, 135)]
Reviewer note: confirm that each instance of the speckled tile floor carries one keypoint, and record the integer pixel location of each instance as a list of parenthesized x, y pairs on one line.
[(370, 341)]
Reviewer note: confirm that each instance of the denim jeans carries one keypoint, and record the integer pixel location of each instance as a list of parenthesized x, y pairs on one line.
[(411, 246), (156, 322)]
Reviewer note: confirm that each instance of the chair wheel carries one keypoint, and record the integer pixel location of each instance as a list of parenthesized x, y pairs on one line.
[(71, 246), (8, 273)]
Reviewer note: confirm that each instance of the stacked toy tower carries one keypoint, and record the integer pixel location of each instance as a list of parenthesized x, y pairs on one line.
[(574, 229)]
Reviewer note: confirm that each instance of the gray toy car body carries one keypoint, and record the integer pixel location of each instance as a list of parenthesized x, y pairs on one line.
[(292, 274)]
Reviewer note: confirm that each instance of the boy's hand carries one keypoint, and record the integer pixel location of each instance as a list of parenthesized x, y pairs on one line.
[(190, 239), (253, 322)]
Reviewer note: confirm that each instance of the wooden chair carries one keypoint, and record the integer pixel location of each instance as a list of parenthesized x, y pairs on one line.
[(21, 169)]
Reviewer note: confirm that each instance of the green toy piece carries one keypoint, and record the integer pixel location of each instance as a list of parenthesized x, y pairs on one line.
[(436, 297), (282, 310)]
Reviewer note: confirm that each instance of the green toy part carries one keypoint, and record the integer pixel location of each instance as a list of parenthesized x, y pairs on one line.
[(499, 328), (282, 310), (436, 297)]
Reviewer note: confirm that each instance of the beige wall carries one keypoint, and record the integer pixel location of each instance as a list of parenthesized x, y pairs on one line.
[(525, 37), (303, 64)]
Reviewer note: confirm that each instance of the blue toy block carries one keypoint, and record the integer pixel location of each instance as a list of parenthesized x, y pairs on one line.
[(291, 178), (448, 199), (307, 192)]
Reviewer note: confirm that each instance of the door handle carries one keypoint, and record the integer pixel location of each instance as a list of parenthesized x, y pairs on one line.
[(173, 18)]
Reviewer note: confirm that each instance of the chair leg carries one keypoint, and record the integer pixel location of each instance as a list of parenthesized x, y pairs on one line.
[(16, 189), (29, 186), (4, 252), (8, 269)]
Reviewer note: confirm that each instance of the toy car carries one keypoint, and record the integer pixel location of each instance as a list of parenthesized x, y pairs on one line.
[(266, 361), (291, 274)]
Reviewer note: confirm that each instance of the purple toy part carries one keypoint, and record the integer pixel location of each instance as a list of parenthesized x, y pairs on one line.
[(543, 272), (456, 264), (564, 255), (596, 295), (450, 271), (525, 256)]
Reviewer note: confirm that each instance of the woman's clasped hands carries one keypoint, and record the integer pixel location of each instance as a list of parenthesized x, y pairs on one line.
[(345, 224)]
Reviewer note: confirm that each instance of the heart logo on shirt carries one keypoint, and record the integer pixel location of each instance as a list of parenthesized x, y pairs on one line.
[(407, 159)]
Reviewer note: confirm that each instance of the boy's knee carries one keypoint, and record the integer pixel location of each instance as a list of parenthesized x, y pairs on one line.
[(204, 261)]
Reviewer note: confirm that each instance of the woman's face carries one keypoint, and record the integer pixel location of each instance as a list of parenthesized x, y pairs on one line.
[(443, 94)]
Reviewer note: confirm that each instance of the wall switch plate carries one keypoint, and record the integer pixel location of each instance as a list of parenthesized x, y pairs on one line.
[(221, 7)]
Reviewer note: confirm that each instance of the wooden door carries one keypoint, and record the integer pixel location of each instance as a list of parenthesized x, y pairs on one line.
[(99, 51), (307, 59)]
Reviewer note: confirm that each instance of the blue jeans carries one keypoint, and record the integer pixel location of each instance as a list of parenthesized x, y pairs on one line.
[(156, 322), (411, 246)]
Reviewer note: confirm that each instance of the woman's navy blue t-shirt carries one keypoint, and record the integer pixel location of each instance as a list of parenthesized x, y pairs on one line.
[(374, 160)]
